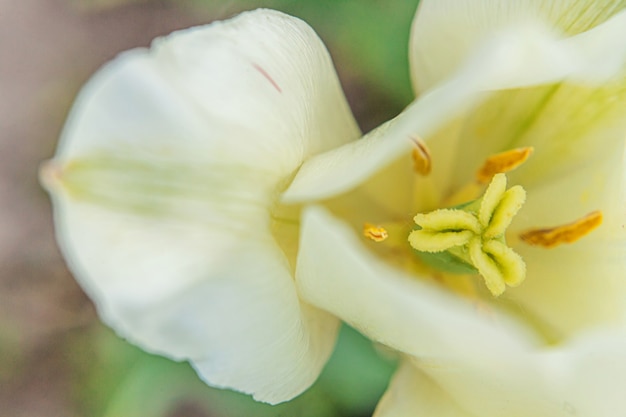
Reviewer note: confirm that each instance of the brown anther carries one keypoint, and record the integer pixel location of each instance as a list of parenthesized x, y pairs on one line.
[(421, 157), (567, 233), (502, 162), (376, 233)]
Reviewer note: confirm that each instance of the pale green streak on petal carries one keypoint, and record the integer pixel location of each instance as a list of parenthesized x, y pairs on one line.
[(147, 187), (445, 32), (576, 16), (509, 205), (487, 267), (123, 183), (436, 241), (567, 124), (447, 220), (491, 199)]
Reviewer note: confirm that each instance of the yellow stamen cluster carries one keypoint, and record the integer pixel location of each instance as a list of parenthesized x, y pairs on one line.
[(474, 233)]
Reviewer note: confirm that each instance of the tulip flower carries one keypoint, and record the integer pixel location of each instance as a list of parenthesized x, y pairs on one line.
[(166, 187), (501, 301)]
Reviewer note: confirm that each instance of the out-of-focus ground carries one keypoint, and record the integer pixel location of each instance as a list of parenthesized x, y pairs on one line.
[(48, 49)]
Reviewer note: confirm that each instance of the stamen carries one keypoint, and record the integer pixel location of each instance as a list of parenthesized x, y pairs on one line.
[(567, 233), (502, 162), (499, 163), (422, 163), (473, 234), (375, 233)]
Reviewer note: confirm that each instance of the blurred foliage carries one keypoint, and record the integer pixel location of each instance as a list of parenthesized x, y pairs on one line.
[(373, 34), (117, 379)]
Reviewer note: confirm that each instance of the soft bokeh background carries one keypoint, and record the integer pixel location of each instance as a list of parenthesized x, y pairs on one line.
[(56, 359)]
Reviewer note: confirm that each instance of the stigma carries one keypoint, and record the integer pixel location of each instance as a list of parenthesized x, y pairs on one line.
[(474, 234)]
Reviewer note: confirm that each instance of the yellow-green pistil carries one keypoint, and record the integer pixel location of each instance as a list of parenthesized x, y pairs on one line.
[(474, 233)]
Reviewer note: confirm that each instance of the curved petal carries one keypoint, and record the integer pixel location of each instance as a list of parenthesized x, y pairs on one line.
[(412, 393), (258, 89), (584, 378), (445, 33), (577, 285), (519, 56), (390, 307), (163, 186), (484, 368)]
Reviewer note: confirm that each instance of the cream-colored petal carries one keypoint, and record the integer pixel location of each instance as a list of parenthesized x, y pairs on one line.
[(570, 125), (520, 56), (227, 302), (267, 72), (336, 273), (583, 378), (570, 289), (163, 186), (445, 33), (485, 374), (577, 285), (412, 393), (259, 89)]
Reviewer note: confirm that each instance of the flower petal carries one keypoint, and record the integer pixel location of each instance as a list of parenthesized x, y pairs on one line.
[(484, 367), (446, 32), (163, 186), (346, 280), (225, 302), (259, 89), (577, 285), (412, 393), (520, 56), (584, 378)]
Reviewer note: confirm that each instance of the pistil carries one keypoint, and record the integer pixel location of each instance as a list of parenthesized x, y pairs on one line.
[(473, 234)]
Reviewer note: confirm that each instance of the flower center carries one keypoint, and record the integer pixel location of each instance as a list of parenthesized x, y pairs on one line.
[(473, 235), (468, 237)]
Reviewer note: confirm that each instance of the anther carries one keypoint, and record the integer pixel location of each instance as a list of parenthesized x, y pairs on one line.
[(422, 163), (502, 162), (567, 233), (375, 233)]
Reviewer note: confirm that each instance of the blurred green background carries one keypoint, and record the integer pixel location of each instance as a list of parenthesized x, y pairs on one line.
[(56, 359)]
